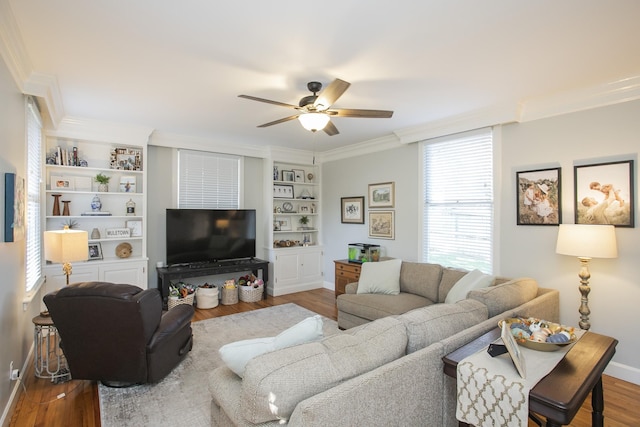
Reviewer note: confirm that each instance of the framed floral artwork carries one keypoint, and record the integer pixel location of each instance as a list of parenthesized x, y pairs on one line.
[(604, 194), (539, 197), (352, 210)]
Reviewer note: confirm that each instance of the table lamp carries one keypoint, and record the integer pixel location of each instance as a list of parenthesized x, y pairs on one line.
[(66, 246), (586, 242)]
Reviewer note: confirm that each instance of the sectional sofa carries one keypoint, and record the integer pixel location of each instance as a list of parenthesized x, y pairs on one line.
[(386, 371)]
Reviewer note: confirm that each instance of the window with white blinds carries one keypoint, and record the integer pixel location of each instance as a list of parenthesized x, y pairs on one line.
[(33, 233), (208, 180), (458, 201)]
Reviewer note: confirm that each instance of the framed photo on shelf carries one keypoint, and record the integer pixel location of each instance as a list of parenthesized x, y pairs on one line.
[(61, 183), (604, 194), (539, 197), (284, 223), (283, 191), (381, 224), (382, 195), (298, 175), (127, 184), (352, 210), (135, 226), (126, 159), (95, 251), (288, 176)]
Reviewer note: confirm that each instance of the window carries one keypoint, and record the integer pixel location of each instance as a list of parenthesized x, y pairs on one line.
[(33, 233), (208, 180), (458, 201)]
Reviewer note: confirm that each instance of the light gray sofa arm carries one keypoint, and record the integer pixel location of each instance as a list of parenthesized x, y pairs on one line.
[(405, 392), (351, 288)]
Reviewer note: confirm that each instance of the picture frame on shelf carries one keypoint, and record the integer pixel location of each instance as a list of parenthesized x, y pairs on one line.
[(62, 183), (283, 191), (539, 197), (382, 225), (288, 176), (604, 193), (135, 226), (124, 158), (95, 251), (352, 210), (382, 195), (285, 224), (304, 209), (298, 175), (127, 184)]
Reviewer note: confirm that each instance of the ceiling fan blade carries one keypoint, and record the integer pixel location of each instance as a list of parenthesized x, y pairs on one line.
[(276, 122), (330, 129), (268, 101), (330, 94), (353, 112)]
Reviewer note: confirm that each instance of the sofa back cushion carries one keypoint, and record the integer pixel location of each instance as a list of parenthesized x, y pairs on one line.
[(420, 278), (506, 296), (450, 277), (274, 383), (433, 323)]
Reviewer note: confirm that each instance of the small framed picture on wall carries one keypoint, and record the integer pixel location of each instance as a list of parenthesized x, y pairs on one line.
[(538, 198)]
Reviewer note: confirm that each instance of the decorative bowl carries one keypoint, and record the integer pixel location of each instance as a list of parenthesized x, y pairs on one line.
[(546, 327)]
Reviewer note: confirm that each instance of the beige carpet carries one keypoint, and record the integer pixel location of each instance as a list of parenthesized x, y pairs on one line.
[(182, 398)]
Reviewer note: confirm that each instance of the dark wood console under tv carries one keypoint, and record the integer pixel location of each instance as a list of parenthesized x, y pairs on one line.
[(168, 274)]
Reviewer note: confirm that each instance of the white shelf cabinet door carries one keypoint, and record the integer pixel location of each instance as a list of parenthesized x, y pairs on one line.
[(132, 273), (295, 269)]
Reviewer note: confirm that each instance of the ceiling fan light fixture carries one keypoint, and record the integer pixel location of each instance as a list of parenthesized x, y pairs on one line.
[(313, 121)]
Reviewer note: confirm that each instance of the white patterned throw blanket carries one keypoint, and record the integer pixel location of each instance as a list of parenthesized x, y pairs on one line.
[(492, 393)]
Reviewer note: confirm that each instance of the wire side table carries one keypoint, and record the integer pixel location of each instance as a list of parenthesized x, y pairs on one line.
[(48, 358)]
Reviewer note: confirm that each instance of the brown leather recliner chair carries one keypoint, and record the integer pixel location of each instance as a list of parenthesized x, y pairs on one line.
[(118, 334)]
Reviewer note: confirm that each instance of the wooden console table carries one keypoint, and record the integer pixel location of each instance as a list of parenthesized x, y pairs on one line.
[(167, 274), (559, 395)]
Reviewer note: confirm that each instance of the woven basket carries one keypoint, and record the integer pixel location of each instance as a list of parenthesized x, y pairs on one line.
[(251, 294), (229, 296), (186, 300)]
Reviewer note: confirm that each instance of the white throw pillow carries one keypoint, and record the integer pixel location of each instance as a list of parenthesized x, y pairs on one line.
[(380, 277), (475, 279), (237, 354)]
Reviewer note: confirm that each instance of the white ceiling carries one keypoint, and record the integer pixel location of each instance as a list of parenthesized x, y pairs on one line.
[(178, 66)]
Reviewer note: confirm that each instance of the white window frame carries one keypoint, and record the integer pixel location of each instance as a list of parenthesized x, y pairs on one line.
[(34, 186), (208, 180), (458, 215)]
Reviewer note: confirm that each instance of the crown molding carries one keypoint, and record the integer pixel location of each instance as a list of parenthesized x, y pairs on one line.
[(615, 92), (365, 147), (98, 130), (45, 86), (171, 140)]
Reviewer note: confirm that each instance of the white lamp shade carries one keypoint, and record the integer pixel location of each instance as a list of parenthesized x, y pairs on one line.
[(313, 121), (66, 245), (588, 241)]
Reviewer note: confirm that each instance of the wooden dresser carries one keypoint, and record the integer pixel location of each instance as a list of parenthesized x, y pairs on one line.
[(346, 272)]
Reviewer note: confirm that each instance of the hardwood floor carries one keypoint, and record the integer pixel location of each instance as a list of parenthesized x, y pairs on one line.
[(40, 406)]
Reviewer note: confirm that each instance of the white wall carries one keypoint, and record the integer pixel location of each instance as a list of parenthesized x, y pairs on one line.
[(603, 134), (16, 328)]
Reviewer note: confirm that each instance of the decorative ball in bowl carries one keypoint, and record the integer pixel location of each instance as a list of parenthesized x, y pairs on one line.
[(538, 334)]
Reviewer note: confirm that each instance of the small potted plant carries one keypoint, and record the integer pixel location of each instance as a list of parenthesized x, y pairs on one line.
[(103, 182), (304, 220)]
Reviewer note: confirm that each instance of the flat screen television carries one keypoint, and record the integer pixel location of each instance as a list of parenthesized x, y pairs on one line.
[(210, 235)]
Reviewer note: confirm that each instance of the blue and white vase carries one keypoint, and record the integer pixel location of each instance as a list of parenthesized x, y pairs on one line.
[(96, 204)]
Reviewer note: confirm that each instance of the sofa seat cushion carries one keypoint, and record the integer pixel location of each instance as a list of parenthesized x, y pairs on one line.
[(431, 324), (376, 306), (506, 296), (274, 383)]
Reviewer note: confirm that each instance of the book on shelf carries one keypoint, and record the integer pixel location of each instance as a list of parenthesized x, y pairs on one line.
[(100, 213)]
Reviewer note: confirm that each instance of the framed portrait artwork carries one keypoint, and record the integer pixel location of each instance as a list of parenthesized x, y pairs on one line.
[(352, 210), (539, 197), (382, 195), (95, 251), (604, 194), (288, 176), (381, 225)]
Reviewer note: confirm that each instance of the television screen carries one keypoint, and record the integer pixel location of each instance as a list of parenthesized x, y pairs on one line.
[(210, 235)]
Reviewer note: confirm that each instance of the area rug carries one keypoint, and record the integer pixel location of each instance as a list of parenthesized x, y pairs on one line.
[(182, 398)]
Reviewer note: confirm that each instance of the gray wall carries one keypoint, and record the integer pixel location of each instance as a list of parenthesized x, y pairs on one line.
[(593, 136), (16, 328), (162, 194)]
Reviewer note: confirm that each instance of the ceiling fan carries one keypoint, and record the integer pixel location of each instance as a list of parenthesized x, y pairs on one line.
[(315, 112)]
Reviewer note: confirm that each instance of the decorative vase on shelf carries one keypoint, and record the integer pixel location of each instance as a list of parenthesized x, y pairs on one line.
[(56, 204), (65, 210), (96, 204), (95, 234)]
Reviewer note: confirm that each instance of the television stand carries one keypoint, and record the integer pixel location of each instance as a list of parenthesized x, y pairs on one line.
[(168, 274)]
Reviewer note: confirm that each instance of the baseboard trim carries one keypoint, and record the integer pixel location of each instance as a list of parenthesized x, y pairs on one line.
[(623, 372)]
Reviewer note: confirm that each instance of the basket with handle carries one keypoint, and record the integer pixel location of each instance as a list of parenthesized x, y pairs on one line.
[(250, 293)]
